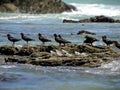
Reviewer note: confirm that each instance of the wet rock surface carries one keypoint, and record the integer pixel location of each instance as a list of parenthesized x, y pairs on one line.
[(35, 6), (96, 19), (8, 50), (9, 77), (69, 55), (85, 32)]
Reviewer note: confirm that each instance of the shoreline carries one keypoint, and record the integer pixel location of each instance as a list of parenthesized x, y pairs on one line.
[(77, 55)]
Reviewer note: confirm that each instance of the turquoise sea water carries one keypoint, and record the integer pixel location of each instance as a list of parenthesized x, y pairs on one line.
[(28, 77), (106, 2)]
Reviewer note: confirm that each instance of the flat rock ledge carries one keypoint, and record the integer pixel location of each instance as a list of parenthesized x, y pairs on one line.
[(77, 55)]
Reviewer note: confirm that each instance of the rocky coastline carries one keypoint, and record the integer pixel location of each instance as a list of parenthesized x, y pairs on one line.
[(78, 55), (95, 19), (35, 6)]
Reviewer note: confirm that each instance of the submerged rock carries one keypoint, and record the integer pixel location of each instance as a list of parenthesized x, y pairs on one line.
[(85, 32)]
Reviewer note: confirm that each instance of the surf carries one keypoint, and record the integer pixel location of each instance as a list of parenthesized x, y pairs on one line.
[(95, 10)]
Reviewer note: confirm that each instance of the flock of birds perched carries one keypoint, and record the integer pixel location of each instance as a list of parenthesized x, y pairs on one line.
[(59, 39)]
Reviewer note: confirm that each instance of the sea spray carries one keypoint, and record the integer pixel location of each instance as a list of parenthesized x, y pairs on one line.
[(94, 10)]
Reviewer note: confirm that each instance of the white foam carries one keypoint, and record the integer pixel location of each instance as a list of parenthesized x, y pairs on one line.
[(7, 66), (10, 16), (113, 66), (83, 10), (15, 16), (95, 9)]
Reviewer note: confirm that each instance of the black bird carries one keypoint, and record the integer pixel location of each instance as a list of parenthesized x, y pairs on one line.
[(116, 44), (107, 41), (65, 41), (90, 40), (43, 39), (57, 39), (60, 40), (25, 38), (12, 39), (60, 37)]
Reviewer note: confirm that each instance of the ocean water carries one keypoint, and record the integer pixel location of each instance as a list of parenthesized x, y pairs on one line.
[(28, 77)]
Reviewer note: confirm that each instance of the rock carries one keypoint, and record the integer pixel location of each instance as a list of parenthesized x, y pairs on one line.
[(6, 77), (22, 61), (102, 19), (11, 60), (9, 7), (87, 49), (26, 51), (43, 55), (35, 6), (43, 48), (96, 19), (90, 56), (70, 21), (49, 63), (8, 50), (94, 49), (85, 32)]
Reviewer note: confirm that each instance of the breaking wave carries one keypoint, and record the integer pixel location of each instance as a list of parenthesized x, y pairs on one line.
[(95, 9), (83, 11)]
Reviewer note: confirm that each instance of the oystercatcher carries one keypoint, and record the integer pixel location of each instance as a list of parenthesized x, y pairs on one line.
[(107, 41), (90, 40), (25, 38), (43, 39), (12, 39), (116, 44), (64, 41)]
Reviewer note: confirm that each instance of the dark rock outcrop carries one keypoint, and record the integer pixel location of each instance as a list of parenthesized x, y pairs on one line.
[(90, 56), (96, 19), (85, 32), (26, 51), (70, 21), (35, 6), (99, 19), (8, 50)]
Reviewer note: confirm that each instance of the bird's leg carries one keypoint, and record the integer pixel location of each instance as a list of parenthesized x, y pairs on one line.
[(108, 46), (13, 44), (43, 43), (5, 60), (59, 44), (27, 42)]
